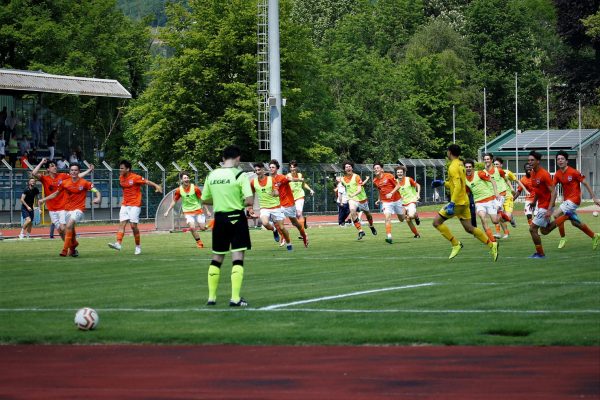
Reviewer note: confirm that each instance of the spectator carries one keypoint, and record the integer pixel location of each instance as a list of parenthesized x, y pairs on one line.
[(23, 160), (62, 163), (73, 159), (51, 143), (3, 116), (13, 149), (2, 145), (35, 128), (24, 145), (11, 123)]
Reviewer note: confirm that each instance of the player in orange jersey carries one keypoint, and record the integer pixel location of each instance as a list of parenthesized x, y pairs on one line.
[(545, 192), (50, 182), (131, 205), (286, 196), (570, 179), (389, 197), (527, 184), (75, 189)]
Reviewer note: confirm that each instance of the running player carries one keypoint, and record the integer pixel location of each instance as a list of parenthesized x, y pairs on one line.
[(459, 206), (411, 194), (389, 197), (50, 183), (282, 183), (270, 204), (228, 190), (570, 179), (544, 190), (191, 205), (508, 206), (499, 175), (485, 194), (27, 207), (357, 198), (298, 187), (527, 184), (75, 189), (131, 205)]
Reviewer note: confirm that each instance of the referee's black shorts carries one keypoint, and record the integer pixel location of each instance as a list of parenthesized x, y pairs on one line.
[(230, 232)]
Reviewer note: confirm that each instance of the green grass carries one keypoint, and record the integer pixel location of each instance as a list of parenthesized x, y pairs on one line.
[(159, 297)]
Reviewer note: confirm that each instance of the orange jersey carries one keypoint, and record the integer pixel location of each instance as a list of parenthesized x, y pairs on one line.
[(286, 196), (525, 181), (540, 180), (132, 192), (50, 186), (570, 180), (76, 193), (385, 185)]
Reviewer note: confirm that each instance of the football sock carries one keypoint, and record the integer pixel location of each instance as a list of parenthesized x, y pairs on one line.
[(237, 276), (214, 274), (370, 219), (136, 236), (68, 240), (539, 249), (120, 237), (413, 228), (481, 236), (497, 228), (445, 231), (388, 228), (561, 229), (357, 224), (489, 234), (586, 229)]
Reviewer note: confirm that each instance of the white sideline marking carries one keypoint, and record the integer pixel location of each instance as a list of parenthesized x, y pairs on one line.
[(308, 310), (341, 296)]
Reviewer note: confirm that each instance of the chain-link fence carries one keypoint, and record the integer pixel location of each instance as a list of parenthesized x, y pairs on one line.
[(320, 177)]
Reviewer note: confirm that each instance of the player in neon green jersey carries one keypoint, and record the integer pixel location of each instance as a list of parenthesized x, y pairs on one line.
[(191, 205), (298, 187), (485, 194), (357, 198), (410, 191), (459, 206), (228, 190)]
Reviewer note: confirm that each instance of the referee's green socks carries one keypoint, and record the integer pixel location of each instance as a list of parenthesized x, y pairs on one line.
[(214, 274), (237, 277)]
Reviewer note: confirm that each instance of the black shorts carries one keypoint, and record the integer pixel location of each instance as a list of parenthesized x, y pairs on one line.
[(25, 213), (230, 232)]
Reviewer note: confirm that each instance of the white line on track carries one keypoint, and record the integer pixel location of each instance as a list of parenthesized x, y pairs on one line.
[(341, 296)]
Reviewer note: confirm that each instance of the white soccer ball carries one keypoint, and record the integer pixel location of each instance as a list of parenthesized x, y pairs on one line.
[(595, 213), (86, 319)]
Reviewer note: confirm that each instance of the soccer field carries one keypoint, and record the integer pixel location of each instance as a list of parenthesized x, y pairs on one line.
[(337, 291)]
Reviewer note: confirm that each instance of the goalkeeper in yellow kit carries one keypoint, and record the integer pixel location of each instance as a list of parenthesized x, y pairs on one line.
[(459, 206)]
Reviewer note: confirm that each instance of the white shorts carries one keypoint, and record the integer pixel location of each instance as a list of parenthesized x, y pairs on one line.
[(193, 219), (568, 206), (355, 205), (299, 204), (411, 209), (392, 207), (75, 215), (500, 203), (540, 218), (527, 210), (289, 212), (58, 218), (130, 213), (489, 207), (274, 214)]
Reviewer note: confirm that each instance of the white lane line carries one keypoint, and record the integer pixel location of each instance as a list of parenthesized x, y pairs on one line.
[(341, 296)]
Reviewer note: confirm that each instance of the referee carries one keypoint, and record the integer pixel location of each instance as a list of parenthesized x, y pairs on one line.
[(228, 190)]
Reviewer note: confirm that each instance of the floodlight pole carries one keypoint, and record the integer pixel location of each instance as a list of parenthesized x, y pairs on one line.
[(274, 82), (453, 124), (579, 166), (548, 125), (484, 121), (147, 194), (110, 188), (516, 123), (207, 165)]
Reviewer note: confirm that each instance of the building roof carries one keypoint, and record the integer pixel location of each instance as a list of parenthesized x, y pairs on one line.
[(553, 140), (28, 81)]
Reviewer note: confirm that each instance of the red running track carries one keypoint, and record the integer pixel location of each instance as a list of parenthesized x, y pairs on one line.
[(338, 372)]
